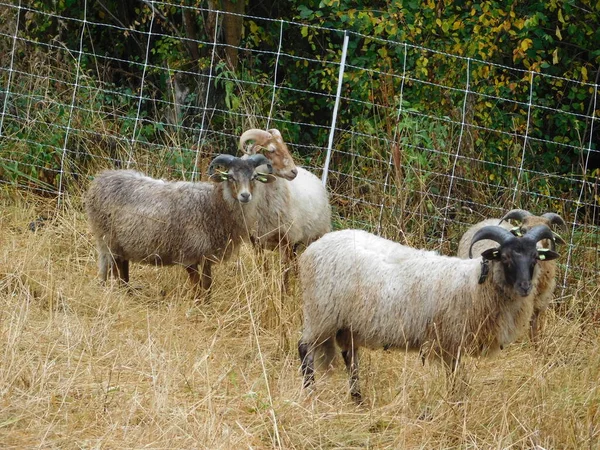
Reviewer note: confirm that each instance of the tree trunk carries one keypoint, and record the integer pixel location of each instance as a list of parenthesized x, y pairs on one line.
[(232, 29)]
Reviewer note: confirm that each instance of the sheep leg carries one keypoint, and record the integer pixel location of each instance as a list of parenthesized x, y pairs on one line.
[(192, 271), (206, 275), (345, 340), (307, 363), (194, 276), (104, 264), (114, 267), (123, 267)]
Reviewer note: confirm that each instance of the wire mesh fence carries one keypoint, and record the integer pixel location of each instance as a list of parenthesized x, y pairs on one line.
[(418, 175)]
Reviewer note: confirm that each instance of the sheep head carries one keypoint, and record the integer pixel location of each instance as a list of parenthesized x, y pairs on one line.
[(518, 256), (528, 221), (241, 174), (275, 148)]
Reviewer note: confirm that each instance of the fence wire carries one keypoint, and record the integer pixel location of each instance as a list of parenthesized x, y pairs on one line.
[(410, 171)]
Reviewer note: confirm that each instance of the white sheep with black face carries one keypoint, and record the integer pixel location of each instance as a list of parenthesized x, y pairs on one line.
[(137, 218), (296, 208), (359, 290), (547, 280)]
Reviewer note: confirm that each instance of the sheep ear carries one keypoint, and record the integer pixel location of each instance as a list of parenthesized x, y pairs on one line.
[(265, 177), (491, 254), (545, 254), (219, 177)]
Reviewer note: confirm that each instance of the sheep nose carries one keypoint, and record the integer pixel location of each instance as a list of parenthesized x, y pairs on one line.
[(525, 288), (294, 172), (244, 197)]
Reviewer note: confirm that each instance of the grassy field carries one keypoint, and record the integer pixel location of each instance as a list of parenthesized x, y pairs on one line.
[(91, 366)]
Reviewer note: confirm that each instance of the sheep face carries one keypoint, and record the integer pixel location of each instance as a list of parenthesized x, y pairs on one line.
[(518, 258), (275, 150), (241, 176), (281, 159)]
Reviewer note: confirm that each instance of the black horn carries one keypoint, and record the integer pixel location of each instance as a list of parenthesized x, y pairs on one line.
[(259, 160), (518, 214), (555, 219), (538, 233), (220, 160), (492, 232)]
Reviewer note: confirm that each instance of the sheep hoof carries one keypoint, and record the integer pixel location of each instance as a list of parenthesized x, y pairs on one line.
[(357, 398)]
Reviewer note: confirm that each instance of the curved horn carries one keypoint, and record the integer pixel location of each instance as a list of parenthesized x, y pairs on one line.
[(518, 214), (555, 219), (274, 132), (260, 138), (492, 232), (540, 232), (220, 160), (259, 160)]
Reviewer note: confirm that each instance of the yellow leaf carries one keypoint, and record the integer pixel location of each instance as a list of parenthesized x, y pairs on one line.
[(555, 56), (526, 43), (492, 177), (561, 19), (584, 73), (438, 22), (558, 35)]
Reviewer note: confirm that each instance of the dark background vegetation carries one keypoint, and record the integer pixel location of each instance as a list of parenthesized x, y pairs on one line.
[(149, 71)]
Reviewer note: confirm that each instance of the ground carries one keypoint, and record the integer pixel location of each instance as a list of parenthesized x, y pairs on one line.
[(92, 366)]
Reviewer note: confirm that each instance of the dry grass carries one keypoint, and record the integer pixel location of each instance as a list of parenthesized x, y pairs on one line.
[(87, 366)]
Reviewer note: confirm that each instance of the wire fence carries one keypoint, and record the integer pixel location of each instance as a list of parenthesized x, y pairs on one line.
[(405, 170)]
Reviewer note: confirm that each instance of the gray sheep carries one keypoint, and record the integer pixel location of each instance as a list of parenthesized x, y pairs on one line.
[(362, 290), (137, 218), (547, 280)]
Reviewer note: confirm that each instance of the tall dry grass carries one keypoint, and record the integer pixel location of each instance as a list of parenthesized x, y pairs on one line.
[(88, 366)]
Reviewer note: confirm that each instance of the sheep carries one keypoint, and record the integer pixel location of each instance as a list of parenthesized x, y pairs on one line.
[(359, 290), (547, 282), (296, 208), (137, 218)]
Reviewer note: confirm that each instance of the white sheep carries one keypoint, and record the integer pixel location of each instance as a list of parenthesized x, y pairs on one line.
[(137, 218), (359, 290), (296, 209), (547, 279)]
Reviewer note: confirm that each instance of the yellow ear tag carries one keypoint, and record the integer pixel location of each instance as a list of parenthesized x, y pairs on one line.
[(542, 257)]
